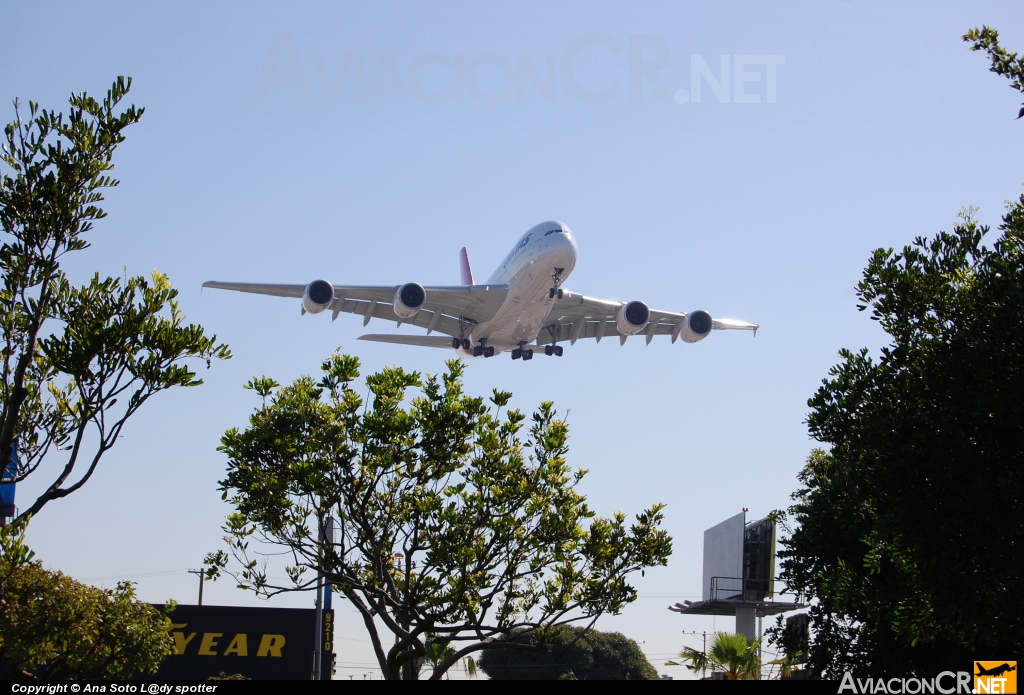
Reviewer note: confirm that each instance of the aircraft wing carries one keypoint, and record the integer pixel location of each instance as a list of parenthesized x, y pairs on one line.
[(443, 310), (577, 316), (418, 340)]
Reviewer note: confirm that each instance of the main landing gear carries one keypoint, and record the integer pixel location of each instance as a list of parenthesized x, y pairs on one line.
[(527, 354), (480, 350), (522, 352), (556, 279)]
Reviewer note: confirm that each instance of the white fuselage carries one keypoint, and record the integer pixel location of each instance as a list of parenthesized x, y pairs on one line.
[(545, 252)]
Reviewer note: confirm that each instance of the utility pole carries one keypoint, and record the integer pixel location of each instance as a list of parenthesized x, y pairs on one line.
[(326, 536), (704, 671), (760, 636), (328, 649), (317, 643), (201, 579), (704, 648)]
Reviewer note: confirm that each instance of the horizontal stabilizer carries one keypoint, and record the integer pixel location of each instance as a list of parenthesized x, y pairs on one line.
[(418, 340)]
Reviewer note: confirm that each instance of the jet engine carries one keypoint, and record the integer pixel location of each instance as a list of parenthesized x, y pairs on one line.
[(632, 317), (318, 296), (409, 299), (697, 326)]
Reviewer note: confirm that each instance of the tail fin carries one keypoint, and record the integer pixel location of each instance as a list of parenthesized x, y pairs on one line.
[(467, 272)]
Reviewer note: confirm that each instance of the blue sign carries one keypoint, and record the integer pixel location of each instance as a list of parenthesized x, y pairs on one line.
[(7, 508)]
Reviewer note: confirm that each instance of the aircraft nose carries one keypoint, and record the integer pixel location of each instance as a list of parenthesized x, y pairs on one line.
[(568, 240)]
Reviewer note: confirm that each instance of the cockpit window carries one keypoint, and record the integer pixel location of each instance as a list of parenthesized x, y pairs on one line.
[(554, 231)]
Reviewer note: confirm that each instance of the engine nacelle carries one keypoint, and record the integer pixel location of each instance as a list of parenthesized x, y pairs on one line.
[(409, 299), (632, 317), (319, 295), (697, 326)]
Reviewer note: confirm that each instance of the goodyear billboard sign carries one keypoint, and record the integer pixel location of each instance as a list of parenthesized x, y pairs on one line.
[(258, 643)]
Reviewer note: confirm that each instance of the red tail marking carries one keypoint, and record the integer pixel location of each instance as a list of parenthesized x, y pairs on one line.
[(467, 272)]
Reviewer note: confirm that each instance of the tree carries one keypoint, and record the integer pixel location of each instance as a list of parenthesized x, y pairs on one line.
[(76, 362), (731, 653), (791, 640), (1003, 62), (448, 529), (910, 527), (585, 654), (56, 628)]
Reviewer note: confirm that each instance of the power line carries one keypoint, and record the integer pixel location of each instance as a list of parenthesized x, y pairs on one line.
[(160, 573)]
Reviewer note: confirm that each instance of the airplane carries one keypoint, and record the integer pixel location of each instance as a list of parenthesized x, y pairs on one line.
[(522, 306), (996, 670)]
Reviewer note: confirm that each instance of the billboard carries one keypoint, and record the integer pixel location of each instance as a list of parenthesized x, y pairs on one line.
[(739, 560), (258, 643), (759, 560), (723, 559)]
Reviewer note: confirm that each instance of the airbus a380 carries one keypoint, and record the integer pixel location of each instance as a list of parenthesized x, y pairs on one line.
[(523, 305)]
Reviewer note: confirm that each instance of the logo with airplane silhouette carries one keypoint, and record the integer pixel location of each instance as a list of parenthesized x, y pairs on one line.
[(995, 677)]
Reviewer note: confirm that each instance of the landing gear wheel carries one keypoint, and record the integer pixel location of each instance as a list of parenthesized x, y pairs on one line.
[(456, 343), (527, 355), (466, 344), (549, 350), (489, 352), (478, 350), (558, 351), (559, 294), (551, 293), (517, 353)]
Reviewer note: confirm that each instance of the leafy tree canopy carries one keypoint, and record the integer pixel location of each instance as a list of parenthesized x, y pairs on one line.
[(1003, 62), (910, 530), (911, 526), (455, 521), (56, 628), (75, 362), (569, 650)]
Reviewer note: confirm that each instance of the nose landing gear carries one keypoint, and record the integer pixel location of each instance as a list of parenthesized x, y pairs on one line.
[(556, 280)]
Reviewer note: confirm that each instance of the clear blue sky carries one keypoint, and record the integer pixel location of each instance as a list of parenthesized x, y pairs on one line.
[(367, 143)]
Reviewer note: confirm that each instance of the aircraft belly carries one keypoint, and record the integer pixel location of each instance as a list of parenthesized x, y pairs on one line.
[(522, 314), (526, 307)]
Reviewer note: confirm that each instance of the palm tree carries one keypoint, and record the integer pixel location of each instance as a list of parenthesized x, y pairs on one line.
[(698, 660), (732, 654), (437, 652)]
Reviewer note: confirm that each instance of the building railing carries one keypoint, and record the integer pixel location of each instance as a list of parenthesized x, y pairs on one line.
[(745, 589)]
